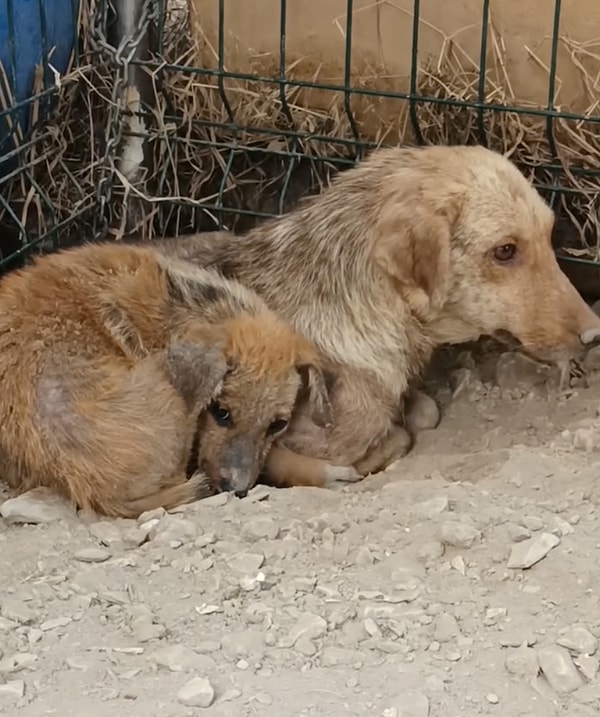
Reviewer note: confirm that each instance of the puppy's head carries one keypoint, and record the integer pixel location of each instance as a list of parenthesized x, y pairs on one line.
[(271, 370), (465, 239)]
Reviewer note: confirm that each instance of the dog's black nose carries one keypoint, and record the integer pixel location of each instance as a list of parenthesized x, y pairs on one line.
[(241, 493), (225, 485)]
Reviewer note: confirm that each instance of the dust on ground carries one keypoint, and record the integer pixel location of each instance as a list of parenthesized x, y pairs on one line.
[(461, 582)]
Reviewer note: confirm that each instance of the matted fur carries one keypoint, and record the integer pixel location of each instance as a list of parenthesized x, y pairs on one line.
[(396, 257), (112, 356)]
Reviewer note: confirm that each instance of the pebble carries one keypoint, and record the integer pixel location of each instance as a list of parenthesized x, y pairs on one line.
[(589, 666), (55, 623), (17, 611), (261, 528), (173, 529), (430, 551), (40, 505), (523, 662), (458, 535), (533, 522), (429, 509), (308, 626), (246, 563), (526, 554), (197, 692), (559, 670), (92, 555), (410, 704), (578, 639), (16, 662), (143, 625), (518, 533), (12, 691), (106, 532), (445, 628), (492, 698), (422, 412), (180, 658)]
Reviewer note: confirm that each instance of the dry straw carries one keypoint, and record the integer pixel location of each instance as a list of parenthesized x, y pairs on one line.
[(197, 159)]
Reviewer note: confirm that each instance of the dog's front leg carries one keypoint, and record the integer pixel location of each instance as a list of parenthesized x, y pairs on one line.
[(286, 469)]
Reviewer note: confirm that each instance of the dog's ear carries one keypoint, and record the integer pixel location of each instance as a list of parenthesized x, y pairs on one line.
[(412, 243), (316, 385)]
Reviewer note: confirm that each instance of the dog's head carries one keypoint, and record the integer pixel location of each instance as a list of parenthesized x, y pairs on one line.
[(465, 239), (271, 370)]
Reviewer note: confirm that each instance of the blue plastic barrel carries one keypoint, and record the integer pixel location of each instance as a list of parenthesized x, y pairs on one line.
[(29, 30)]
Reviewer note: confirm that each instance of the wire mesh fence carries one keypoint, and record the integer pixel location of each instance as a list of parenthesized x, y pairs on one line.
[(175, 117)]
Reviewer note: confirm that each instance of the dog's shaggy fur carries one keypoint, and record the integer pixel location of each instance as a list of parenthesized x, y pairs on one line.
[(112, 356), (410, 249)]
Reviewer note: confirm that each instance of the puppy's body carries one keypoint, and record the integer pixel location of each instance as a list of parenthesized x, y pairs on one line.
[(404, 252), (111, 355)]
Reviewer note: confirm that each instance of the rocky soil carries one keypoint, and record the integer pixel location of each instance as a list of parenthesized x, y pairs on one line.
[(460, 582)]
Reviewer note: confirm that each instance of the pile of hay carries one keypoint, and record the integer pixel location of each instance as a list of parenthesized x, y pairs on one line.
[(256, 153)]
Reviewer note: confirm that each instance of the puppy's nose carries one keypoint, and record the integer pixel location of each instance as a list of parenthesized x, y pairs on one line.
[(225, 485), (590, 337), (241, 493)]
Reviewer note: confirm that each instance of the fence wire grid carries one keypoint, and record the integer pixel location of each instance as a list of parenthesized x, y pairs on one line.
[(220, 146)]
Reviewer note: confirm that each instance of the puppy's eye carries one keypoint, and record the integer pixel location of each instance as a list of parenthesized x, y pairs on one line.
[(277, 427), (505, 252), (220, 414)]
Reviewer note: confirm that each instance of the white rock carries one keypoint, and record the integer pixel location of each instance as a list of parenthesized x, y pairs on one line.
[(411, 704), (12, 691), (559, 670), (246, 563), (529, 552), (429, 509), (261, 528), (180, 658), (578, 639), (518, 533), (40, 505), (92, 555), (458, 535), (17, 611), (173, 528), (55, 623), (106, 532), (198, 692), (309, 626), (523, 662), (589, 666), (533, 522), (18, 661)]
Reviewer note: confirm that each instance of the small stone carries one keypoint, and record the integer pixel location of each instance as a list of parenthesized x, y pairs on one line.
[(12, 691), (533, 522), (364, 557), (458, 564), (518, 533), (308, 626), (261, 529), (430, 551), (589, 665), (18, 661), (492, 698), (55, 623), (584, 439), (215, 501), (92, 555), (453, 656), (78, 663), (242, 664), (429, 509), (410, 704), (179, 658), (422, 412), (493, 614), (515, 370), (173, 528), (40, 505), (458, 535), (578, 639), (246, 563), (106, 532), (526, 554), (17, 611), (445, 628), (559, 670), (563, 527), (523, 662), (305, 646), (198, 692)]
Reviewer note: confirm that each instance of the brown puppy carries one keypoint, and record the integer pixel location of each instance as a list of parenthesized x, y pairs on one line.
[(109, 356), (410, 249)]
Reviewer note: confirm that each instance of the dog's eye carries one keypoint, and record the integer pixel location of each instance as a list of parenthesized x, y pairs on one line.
[(220, 414), (277, 427), (505, 252)]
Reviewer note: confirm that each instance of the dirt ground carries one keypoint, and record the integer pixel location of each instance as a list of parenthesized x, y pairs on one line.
[(415, 593)]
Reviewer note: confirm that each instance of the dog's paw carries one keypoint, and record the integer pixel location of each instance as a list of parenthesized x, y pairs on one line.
[(201, 486), (341, 474)]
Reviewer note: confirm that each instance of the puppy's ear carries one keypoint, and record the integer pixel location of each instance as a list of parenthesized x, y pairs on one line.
[(317, 385), (412, 243)]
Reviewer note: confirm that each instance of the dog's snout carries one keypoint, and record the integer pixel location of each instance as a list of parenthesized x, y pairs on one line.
[(590, 337), (241, 493), (225, 485)]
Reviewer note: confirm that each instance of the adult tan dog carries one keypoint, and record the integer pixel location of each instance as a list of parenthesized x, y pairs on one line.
[(113, 357), (410, 249)]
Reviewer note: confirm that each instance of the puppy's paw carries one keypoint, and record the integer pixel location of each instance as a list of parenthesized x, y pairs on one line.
[(341, 474), (201, 486)]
